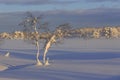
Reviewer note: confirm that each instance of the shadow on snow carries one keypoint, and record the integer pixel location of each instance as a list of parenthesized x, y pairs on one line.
[(68, 55), (18, 67)]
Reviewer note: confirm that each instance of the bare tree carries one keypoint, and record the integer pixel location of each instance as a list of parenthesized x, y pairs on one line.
[(31, 26), (59, 33)]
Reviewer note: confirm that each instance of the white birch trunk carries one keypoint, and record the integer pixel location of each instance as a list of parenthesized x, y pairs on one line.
[(47, 46), (38, 54), (44, 55)]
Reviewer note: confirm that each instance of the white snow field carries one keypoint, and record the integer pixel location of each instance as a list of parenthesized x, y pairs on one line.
[(75, 59)]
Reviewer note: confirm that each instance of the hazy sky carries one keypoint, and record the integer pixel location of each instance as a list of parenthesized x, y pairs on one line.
[(47, 5), (77, 12)]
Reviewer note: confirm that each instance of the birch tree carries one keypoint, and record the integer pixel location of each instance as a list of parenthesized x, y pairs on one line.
[(31, 29), (59, 33)]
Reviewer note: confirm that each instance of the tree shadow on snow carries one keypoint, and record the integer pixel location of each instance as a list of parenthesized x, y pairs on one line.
[(70, 75), (21, 55), (18, 67), (69, 55), (114, 78)]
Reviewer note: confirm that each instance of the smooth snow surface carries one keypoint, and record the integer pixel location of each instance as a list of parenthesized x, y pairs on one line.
[(75, 59)]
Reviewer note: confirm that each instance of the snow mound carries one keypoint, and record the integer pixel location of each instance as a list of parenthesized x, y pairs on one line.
[(7, 54), (2, 68)]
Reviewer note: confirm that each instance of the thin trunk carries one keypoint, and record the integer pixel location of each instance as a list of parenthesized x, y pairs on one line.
[(44, 56), (38, 53), (48, 44)]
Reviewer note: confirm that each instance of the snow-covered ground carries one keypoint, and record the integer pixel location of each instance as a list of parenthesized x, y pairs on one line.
[(75, 59)]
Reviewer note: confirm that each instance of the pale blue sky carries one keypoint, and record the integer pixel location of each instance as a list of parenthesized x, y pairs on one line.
[(79, 13), (47, 5)]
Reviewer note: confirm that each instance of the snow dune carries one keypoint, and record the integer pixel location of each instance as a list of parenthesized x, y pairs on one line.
[(2, 68), (75, 59)]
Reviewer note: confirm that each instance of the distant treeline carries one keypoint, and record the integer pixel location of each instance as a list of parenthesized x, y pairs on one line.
[(104, 32), (86, 33)]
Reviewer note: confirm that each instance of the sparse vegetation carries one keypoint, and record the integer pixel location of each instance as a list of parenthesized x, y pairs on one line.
[(60, 32), (32, 32), (31, 29), (104, 32)]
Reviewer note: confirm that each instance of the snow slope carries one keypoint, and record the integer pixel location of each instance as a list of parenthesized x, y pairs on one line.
[(75, 59)]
